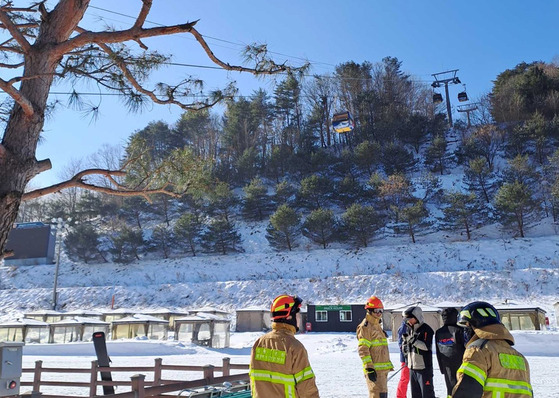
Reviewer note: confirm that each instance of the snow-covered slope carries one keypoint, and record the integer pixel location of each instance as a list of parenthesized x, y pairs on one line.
[(437, 268)]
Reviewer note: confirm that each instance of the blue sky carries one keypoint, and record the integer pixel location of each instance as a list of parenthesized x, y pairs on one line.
[(480, 38)]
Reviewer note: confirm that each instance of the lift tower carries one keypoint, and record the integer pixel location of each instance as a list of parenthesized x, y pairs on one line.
[(446, 78), (468, 108)]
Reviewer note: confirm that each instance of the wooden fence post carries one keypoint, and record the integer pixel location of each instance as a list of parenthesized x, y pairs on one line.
[(37, 376), (138, 386), (157, 372), (209, 373), (93, 379), (226, 367)]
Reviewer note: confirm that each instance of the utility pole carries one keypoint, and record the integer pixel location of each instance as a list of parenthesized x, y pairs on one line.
[(440, 80), (61, 228), (468, 108)]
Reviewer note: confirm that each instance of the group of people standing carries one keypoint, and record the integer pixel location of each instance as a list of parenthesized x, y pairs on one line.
[(473, 349)]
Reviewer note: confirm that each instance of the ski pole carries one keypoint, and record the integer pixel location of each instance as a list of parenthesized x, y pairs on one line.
[(395, 373)]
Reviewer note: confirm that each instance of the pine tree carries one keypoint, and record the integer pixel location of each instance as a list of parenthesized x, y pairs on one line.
[(161, 240), (413, 215), (284, 228), (127, 245), (221, 237), (187, 232), (320, 226), (367, 155), (436, 156), (82, 243), (349, 191), (222, 201), (479, 178), (396, 158), (256, 203), (315, 191), (461, 211), (516, 205), (284, 192), (359, 224)]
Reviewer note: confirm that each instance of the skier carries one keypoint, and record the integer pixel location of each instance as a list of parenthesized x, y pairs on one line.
[(279, 363), (417, 347), (450, 347), (373, 349), (402, 390), (491, 367)]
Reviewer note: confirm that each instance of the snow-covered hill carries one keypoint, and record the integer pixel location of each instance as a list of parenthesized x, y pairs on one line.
[(437, 268)]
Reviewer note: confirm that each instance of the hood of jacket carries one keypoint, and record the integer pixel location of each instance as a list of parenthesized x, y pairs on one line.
[(417, 312), (497, 331), (450, 316)]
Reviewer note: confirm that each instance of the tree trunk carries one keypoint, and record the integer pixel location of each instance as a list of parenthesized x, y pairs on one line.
[(17, 154)]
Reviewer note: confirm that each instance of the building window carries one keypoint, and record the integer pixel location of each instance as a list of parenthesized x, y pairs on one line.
[(345, 316), (321, 316)]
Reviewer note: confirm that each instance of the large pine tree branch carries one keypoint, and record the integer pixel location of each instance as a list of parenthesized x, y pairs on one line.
[(14, 31), (9, 89), (77, 181)]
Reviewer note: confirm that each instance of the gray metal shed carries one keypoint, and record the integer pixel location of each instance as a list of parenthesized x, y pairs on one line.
[(253, 319)]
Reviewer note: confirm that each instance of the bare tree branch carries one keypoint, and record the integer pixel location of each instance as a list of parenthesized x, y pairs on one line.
[(87, 37), (14, 31), (25, 104), (143, 14), (77, 181), (12, 66)]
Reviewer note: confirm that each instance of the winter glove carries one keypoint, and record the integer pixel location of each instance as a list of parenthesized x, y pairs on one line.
[(371, 374)]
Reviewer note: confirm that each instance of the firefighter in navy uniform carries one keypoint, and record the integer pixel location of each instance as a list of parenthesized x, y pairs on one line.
[(373, 349), (279, 363), (450, 347), (491, 367)]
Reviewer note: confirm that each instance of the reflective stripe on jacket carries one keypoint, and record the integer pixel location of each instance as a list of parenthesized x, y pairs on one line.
[(491, 368), (373, 345), (279, 366)]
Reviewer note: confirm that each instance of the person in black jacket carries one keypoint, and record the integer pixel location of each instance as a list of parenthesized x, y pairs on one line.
[(417, 347), (450, 347)]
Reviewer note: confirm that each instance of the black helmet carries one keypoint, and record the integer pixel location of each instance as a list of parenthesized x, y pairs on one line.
[(478, 314)]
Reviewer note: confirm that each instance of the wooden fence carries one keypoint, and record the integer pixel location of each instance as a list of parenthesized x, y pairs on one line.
[(157, 386)]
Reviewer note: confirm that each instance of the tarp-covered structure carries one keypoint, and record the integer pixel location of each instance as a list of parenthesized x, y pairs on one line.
[(76, 329), (49, 316), (25, 330), (521, 317), (204, 329), (139, 325)]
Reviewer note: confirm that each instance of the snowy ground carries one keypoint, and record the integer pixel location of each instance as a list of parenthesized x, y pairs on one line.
[(333, 357)]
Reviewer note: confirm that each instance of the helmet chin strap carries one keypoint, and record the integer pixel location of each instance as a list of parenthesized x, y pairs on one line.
[(468, 333)]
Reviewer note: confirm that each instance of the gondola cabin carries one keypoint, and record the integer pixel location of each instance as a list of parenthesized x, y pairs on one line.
[(462, 97), (437, 98), (342, 122)]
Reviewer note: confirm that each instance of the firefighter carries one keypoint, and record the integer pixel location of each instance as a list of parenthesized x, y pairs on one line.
[(450, 347), (279, 363), (491, 367), (417, 346), (373, 349)]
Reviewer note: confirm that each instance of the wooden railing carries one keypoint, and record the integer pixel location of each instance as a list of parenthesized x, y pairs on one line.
[(138, 384)]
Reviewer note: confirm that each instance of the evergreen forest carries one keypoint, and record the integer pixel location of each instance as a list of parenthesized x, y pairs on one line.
[(273, 158)]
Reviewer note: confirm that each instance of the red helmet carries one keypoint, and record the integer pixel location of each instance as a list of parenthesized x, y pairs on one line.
[(284, 305), (374, 302)]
